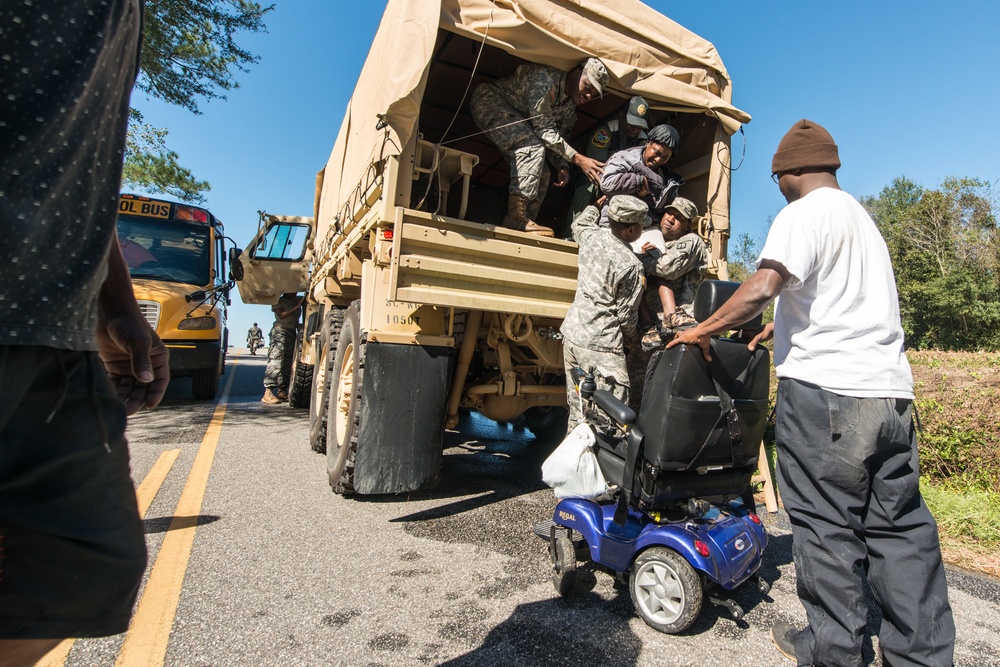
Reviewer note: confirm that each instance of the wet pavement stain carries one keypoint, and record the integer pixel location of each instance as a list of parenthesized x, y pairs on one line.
[(390, 641), (341, 618)]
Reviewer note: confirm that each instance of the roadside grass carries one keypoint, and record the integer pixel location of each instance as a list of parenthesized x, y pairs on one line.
[(958, 411), (968, 525)]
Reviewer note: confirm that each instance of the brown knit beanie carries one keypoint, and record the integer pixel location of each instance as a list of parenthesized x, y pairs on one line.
[(807, 144)]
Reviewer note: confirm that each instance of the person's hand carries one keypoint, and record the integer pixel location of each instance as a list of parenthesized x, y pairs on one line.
[(592, 169), (648, 247), (601, 201), (694, 336), (135, 359), (562, 177), (763, 335), (643, 187)]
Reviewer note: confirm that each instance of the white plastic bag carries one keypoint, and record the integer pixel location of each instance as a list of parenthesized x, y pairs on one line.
[(572, 469)]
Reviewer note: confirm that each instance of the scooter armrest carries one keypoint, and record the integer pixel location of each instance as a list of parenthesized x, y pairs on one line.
[(618, 411)]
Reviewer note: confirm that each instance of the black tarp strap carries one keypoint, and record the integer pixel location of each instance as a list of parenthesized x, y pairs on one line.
[(728, 413), (634, 446)]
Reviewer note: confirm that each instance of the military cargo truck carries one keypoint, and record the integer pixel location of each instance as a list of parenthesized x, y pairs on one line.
[(419, 302)]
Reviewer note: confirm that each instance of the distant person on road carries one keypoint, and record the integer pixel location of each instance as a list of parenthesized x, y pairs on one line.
[(528, 115), (625, 131), (72, 547), (604, 313), (847, 450), (277, 373), (255, 338)]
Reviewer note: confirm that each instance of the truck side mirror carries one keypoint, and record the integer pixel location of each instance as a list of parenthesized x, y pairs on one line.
[(235, 265)]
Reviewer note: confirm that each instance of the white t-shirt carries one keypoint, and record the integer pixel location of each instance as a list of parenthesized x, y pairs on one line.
[(836, 322)]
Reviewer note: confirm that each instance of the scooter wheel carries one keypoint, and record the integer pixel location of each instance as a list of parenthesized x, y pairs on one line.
[(763, 586), (563, 563), (666, 590)]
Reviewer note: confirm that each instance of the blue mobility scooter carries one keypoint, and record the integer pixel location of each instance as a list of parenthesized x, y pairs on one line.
[(683, 526)]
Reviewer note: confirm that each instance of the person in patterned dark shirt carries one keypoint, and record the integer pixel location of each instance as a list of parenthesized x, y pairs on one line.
[(72, 546)]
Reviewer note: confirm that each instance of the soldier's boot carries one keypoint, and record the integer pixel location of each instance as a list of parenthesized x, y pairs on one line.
[(517, 218)]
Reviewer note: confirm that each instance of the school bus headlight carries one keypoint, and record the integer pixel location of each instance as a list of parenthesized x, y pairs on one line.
[(197, 323)]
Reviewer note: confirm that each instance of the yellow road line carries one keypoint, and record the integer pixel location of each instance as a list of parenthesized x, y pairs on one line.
[(149, 632), (144, 495), (154, 479)]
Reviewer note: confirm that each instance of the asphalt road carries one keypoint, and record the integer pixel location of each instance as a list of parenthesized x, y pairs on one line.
[(283, 572)]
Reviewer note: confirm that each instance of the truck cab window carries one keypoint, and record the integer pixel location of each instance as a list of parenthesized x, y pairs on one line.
[(282, 241)]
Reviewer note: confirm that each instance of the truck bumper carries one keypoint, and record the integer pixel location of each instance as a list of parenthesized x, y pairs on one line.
[(193, 355)]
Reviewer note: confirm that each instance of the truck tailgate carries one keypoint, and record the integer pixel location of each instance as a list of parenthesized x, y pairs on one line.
[(449, 262)]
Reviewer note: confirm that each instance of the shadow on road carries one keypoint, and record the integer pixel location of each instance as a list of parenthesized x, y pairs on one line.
[(163, 524), (527, 636)]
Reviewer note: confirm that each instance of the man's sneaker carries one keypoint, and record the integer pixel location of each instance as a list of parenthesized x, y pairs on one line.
[(270, 398), (282, 395), (680, 320), (783, 635), (652, 339)]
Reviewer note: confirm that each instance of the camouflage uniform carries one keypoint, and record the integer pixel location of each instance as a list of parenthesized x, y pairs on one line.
[(683, 265), (524, 114), (636, 361), (605, 141), (605, 308), (281, 343)]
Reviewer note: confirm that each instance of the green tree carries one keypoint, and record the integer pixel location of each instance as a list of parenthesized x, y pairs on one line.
[(150, 165), (743, 251), (945, 249), (189, 53)]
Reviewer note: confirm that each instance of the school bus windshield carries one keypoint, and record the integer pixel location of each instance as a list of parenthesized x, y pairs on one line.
[(169, 250)]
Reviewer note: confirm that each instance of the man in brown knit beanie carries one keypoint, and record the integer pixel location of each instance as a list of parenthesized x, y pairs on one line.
[(847, 449)]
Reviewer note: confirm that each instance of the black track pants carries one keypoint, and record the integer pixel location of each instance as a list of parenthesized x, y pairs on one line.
[(849, 479)]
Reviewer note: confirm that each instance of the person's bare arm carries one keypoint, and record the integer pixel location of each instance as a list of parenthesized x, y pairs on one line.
[(282, 314), (134, 356), (747, 302)]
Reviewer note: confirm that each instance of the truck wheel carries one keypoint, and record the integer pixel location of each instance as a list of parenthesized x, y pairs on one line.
[(205, 384), (302, 377), (322, 378), (344, 403), (666, 591), (547, 424)]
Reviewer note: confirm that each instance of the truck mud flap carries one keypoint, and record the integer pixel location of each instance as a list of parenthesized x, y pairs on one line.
[(401, 429)]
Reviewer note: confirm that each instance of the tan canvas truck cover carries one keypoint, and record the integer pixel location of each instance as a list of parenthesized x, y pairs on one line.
[(645, 53)]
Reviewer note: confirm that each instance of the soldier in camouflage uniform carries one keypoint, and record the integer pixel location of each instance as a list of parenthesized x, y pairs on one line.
[(678, 270), (605, 309), (527, 115), (281, 343), (626, 131)]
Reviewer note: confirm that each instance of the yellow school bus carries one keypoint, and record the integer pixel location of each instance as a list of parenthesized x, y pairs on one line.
[(176, 257)]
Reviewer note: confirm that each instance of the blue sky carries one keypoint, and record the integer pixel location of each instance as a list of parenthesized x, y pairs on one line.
[(905, 88)]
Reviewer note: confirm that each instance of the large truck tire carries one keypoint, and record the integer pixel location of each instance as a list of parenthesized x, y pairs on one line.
[(322, 377), (548, 424), (300, 383), (385, 416), (343, 402)]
